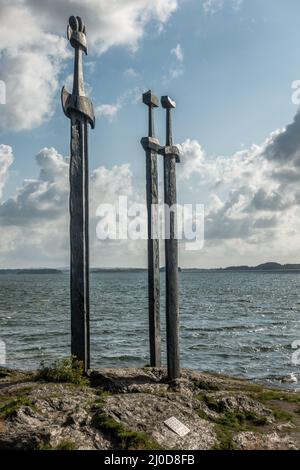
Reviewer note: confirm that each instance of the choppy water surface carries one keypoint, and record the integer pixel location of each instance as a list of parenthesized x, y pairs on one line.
[(237, 323)]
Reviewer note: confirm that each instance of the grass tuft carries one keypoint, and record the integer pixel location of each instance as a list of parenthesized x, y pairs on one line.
[(68, 370), (238, 421), (10, 405), (63, 445), (124, 438), (277, 395), (225, 438), (208, 386), (229, 423)]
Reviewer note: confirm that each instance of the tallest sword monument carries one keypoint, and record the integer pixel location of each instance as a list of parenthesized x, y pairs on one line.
[(79, 109)]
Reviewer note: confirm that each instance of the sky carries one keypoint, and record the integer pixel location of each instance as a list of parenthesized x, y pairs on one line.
[(230, 66)]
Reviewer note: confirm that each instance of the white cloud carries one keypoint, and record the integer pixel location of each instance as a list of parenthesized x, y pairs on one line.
[(254, 202), (39, 200), (178, 53), (108, 111), (117, 23), (34, 223), (252, 206), (6, 159), (29, 62), (33, 46), (213, 6), (176, 68)]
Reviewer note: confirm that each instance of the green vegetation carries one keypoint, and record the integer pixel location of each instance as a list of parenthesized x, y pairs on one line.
[(239, 421), (211, 402), (281, 415), (124, 438), (269, 395), (100, 400), (202, 385), (233, 422), (68, 370), (229, 423), (225, 439), (10, 405), (63, 445), (102, 394), (248, 387)]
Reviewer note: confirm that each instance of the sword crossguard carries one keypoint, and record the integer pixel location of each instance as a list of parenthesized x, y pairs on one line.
[(170, 151), (151, 143), (80, 104)]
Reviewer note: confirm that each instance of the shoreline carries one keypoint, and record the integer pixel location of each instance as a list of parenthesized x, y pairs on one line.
[(113, 409)]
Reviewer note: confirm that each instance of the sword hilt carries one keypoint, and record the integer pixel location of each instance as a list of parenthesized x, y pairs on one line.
[(150, 142), (77, 101), (169, 150)]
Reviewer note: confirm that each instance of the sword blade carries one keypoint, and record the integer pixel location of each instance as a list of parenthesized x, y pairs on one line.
[(79, 238)]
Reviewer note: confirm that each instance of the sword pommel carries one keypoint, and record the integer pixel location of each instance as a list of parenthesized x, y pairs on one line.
[(167, 102), (76, 33), (149, 99)]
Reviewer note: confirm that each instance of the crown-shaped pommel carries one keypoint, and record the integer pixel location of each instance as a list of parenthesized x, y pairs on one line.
[(76, 33)]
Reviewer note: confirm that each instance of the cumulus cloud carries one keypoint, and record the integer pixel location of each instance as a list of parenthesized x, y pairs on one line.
[(108, 111), (117, 23), (254, 194), (35, 221), (33, 46), (29, 62), (39, 200), (251, 215)]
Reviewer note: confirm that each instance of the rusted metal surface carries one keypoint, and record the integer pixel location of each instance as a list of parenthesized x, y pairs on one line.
[(151, 147), (79, 109)]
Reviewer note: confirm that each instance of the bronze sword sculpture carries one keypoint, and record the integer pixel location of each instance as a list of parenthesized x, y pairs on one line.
[(151, 146), (171, 157), (79, 109)]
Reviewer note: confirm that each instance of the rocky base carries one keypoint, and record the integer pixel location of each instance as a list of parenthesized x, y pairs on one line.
[(127, 409)]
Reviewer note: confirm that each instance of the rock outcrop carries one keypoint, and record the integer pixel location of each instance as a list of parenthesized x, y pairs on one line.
[(127, 409)]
